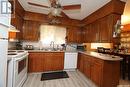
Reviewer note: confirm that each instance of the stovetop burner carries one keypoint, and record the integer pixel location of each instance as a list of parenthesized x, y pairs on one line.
[(12, 54), (20, 51), (11, 51)]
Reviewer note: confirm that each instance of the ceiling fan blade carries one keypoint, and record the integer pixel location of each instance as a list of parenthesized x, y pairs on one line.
[(64, 15), (71, 7), (34, 4)]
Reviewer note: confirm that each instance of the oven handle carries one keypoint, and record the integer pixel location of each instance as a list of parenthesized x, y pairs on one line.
[(21, 58)]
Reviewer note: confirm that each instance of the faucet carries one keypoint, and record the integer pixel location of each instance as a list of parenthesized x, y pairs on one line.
[(52, 44)]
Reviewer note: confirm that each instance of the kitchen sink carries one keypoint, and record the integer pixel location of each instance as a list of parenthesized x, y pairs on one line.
[(52, 50)]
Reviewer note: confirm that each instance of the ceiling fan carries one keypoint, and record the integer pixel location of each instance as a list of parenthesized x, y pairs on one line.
[(56, 9)]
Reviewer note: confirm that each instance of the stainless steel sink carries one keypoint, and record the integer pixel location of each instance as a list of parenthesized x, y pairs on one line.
[(51, 49)]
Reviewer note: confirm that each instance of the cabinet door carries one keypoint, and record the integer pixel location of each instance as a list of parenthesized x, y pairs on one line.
[(95, 31), (36, 62), (31, 31), (17, 21), (74, 35), (58, 61), (87, 67), (96, 73), (54, 61), (80, 62), (105, 29)]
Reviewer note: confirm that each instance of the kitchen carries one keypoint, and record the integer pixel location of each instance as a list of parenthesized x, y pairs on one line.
[(60, 43)]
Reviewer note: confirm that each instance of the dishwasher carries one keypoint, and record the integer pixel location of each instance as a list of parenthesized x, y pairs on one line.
[(70, 62)]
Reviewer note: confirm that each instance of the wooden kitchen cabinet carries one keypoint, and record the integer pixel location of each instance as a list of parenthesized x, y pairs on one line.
[(87, 66), (99, 71), (17, 22), (54, 61), (96, 71), (74, 34), (100, 30), (31, 31), (80, 62), (105, 29), (91, 68), (45, 61), (91, 32), (36, 62)]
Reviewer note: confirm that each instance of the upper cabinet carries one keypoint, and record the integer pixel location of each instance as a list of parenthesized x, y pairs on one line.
[(105, 29), (17, 20), (91, 32), (100, 30), (31, 30), (73, 35)]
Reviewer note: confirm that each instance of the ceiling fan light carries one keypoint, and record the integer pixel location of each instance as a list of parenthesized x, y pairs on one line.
[(56, 11)]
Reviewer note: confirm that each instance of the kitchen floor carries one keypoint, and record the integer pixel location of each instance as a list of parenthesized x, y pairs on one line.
[(76, 79)]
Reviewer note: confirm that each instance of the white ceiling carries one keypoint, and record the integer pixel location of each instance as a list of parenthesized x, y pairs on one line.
[(87, 7)]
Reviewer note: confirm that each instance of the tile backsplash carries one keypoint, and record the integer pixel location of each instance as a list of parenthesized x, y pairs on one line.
[(39, 45)]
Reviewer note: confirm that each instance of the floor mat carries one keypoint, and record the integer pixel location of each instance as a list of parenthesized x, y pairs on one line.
[(54, 75)]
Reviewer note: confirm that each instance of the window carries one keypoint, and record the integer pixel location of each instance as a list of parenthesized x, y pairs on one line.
[(50, 33)]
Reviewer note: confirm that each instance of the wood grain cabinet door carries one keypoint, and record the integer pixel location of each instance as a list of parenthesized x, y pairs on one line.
[(31, 31), (36, 62), (104, 30), (48, 61), (87, 67), (58, 61), (53, 61), (96, 73), (80, 62), (74, 35)]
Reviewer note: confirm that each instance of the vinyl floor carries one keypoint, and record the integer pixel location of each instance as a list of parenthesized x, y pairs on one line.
[(76, 79)]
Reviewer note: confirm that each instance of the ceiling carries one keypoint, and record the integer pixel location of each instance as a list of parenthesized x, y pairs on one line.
[(87, 7)]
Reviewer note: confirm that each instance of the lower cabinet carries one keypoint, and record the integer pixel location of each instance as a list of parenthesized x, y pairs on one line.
[(80, 62), (101, 72), (96, 73), (87, 67), (45, 61)]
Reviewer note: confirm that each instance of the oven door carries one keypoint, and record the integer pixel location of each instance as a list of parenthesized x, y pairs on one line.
[(20, 71)]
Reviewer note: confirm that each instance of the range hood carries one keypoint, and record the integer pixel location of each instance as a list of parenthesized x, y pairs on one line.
[(13, 29)]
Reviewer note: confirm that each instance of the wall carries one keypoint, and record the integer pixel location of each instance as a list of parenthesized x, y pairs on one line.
[(93, 46)]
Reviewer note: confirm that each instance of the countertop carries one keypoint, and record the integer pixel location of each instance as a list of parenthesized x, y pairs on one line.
[(50, 51), (93, 54), (102, 56), (124, 53)]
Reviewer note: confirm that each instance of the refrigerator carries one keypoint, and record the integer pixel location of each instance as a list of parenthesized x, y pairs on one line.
[(4, 26)]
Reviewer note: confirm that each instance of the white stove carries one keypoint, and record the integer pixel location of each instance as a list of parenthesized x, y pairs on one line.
[(17, 67)]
